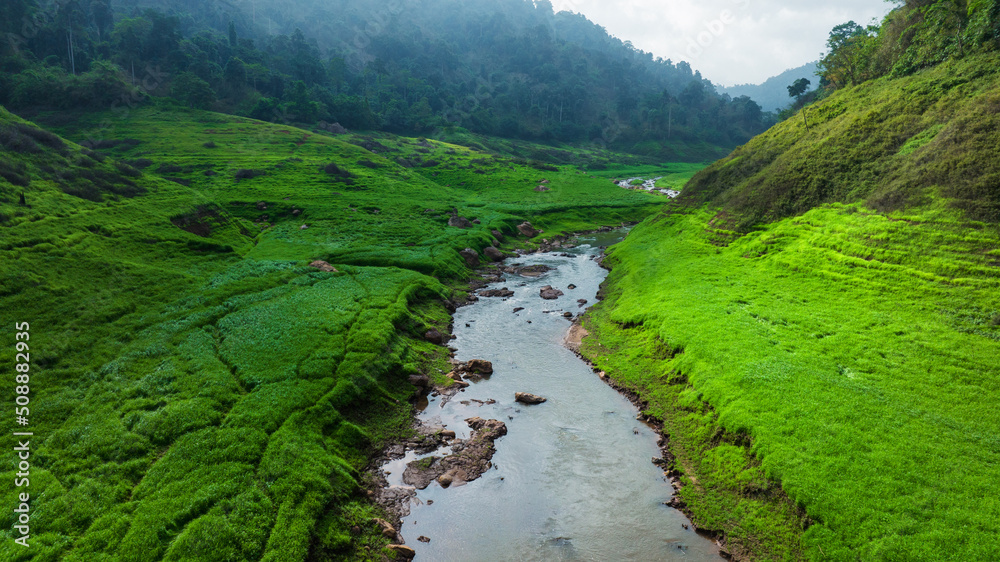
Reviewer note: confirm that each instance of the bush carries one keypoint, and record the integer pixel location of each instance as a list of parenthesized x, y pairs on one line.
[(13, 140), (334, 170), (127, 170), (15, 173), (244, 174)]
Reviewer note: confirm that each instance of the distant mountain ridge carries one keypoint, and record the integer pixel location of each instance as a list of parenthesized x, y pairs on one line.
[(772, 95)]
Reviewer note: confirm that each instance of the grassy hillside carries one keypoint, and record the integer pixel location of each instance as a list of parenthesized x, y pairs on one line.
[(819, 327), (198, 391), (892, 143)]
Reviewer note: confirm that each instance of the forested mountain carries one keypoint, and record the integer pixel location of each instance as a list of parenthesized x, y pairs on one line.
[(510, 68), (772, 94)]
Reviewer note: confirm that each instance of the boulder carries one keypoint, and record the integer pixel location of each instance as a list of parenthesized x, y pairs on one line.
[(493, 253), (548, 293), (471, 257), (571, 286), (567, 314), (504, 293), (388, 531), (497, 234), (459, 222), (323, 266), (304, 227), (434, 336), (402, 551), (525, 398), (581, 301), (526, 229), (422, 538), (530, 270), (541, 188), (420, 380), (479, 366)]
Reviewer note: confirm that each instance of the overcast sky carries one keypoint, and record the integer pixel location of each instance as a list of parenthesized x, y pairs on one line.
[(729, 41)]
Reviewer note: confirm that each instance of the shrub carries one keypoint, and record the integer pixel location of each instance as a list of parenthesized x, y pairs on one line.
[(14, 141), (334, 170), (44, 137), (127, 170), (169, 169), (15, 173), (244, 174), (141, 163)]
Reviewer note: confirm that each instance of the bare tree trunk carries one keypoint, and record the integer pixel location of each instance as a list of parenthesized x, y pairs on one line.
[(69, 47)]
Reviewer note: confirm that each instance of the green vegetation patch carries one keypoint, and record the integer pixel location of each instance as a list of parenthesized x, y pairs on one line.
[(850, 357)]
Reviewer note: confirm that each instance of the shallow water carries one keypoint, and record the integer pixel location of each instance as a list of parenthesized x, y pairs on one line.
[(572, 479)]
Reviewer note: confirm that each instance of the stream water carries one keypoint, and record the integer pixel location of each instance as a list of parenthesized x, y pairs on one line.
[(572, 479)]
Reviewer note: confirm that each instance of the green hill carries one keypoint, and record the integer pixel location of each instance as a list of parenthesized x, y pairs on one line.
[(199, 392), (817, 322)]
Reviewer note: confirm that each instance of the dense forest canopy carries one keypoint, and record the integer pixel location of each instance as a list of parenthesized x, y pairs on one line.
[(917, 34), (510, 68)]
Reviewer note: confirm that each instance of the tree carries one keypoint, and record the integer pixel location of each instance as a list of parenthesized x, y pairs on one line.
[(798, 88), (193, 91), (235, 73), (849, 47), (302, 107)]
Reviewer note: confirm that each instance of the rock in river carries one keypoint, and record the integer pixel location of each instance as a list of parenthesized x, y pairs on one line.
[(470, 458), (525, 398), (548, 293), (505, 293), (477, 366)]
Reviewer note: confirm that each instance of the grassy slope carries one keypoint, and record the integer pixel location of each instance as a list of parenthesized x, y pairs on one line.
[(928, 139), (849, 355), (199, 392)]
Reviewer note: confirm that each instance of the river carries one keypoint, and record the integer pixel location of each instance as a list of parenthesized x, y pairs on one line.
[(573, 478)]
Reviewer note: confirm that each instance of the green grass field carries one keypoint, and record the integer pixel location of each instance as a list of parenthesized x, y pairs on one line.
[(198, 391)]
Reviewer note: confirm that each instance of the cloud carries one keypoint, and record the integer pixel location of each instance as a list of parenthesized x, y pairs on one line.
[(729, 41)]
